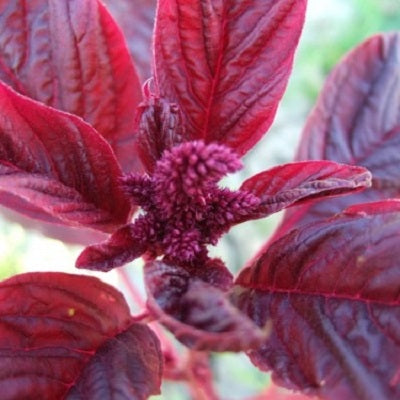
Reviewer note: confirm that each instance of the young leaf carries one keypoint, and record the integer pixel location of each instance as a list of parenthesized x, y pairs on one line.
[(295, 183), (60, 334), (331, 292), (70, 55), (194, 306), (226, 64), (55, 163), (120, 248), (364, 131), (159, 127), (136, 18)]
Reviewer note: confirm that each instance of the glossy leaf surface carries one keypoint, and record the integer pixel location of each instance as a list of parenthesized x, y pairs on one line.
[(226, 64), (357, 121), (58, 330), (331, 292), (72, 56), (136, 18), (194, 306), (55, 167), (295, 183)]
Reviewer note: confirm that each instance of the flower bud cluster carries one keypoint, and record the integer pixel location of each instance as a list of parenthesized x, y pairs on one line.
[(184, 209)]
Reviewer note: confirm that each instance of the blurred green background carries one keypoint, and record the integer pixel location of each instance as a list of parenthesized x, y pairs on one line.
[(332, 28)]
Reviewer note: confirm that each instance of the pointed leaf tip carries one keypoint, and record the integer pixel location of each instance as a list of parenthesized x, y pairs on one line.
[(120, 248), (301, 182)]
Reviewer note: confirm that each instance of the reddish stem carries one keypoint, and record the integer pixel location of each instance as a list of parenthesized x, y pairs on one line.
[(199, 376), (171, 355), (195, 370)]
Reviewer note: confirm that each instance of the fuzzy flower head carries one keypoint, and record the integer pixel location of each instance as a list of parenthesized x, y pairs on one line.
[(182, 202), (183, 209)]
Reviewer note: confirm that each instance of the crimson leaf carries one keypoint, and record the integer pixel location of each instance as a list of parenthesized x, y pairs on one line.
[(193, 305), (295, 183), (364, 131), (359, 132), (136, 18), (70, 54), (126, 367), (60, 333), (58, 166), (226, 64), (121, 247), (331, 292)]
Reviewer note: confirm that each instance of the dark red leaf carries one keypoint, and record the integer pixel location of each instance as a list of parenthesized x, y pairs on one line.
[(359, 131), (70, 54), (226, 64), (295, 183), (53, 166), (192, 306), (127, 367), (357, 121), (57, 330), (136, 18), (121, 247), (331, 292)]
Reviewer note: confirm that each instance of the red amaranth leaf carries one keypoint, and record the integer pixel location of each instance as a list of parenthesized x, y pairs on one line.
[(194, 307), (121, 247), (295, 183), (136, 18), (56, 167), (364, 131), (359, 132), (128, 366), (226, 64), (71, 55), (331, 292), (59, 330)]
